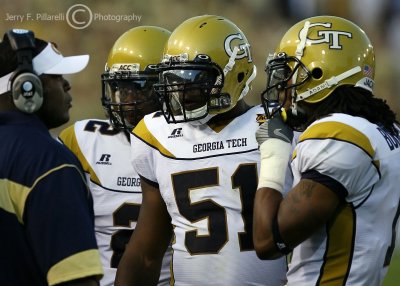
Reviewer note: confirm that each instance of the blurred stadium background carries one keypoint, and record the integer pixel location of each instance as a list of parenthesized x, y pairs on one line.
[(263, 22)]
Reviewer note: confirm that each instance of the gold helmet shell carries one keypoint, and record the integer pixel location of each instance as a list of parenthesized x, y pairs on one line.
[(333, 52), (225, 45), (130, 73), (140, 46)]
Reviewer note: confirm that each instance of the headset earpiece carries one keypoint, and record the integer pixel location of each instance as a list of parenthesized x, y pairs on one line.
[(26, 86), (27, 92)]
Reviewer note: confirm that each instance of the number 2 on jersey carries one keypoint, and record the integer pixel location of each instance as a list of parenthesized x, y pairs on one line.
[(244, 179), (123, 216)]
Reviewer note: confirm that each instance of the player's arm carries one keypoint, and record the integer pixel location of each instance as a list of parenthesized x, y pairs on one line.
[(291, 220), (280, 223), (141, 262)]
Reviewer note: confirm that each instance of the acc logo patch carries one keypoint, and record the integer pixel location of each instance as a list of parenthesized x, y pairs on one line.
[(244, 48), (125, 68), (184, 57)]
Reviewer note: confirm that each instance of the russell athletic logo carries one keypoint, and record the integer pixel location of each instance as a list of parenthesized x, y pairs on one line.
[(104, 160), (177, 132)]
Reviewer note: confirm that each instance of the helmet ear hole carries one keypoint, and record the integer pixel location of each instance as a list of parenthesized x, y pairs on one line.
[(317, 73), (240, 77)]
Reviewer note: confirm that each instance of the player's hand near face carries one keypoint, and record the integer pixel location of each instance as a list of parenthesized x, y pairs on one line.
[(274, 138), (290, 220)]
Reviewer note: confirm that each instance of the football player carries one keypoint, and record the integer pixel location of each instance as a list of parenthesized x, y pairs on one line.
[(340, 217), (103, 146), (198, 163)]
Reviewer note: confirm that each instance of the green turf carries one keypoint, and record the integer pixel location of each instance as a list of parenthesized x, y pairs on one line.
[(393, 276)]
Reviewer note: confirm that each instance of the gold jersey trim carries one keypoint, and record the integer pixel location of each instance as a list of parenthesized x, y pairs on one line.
[(68, 137), (340, 247), (142, 132), (342, 132), (14, 197), (83, 264), (338, 131)]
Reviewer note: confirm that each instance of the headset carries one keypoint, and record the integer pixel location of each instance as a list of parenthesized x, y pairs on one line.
[(26, 86)]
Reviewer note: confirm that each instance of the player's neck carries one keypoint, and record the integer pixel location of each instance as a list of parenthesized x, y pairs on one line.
[(217, 123), (240, 108)]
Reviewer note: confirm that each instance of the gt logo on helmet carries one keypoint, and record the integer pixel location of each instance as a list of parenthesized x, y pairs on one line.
[(244, 48), (331, 37)]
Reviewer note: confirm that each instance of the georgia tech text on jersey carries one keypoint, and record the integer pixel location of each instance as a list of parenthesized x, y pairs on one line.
[(128, 181), (218, 145)]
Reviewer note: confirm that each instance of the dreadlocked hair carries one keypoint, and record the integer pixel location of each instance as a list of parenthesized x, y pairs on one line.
[(355, 101)]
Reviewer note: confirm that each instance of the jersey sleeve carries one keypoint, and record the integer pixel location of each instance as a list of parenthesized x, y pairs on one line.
[(340, 152), (59, 222), (142, 149), (68, 138), (288, 183)]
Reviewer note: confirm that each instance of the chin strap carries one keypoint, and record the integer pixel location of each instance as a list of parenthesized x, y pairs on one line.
[(231, 62), (190, 114), (328, 83), (299, 54), (247, 85), (202, 121), (301, 46), (229, 67)]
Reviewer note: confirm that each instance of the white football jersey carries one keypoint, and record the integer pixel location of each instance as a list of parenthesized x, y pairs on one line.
[(355, 247), (208, 179), (105, 156)]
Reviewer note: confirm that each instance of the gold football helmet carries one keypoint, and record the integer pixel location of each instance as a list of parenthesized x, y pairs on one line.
[(316, 56), (207, 68), (130, 73)]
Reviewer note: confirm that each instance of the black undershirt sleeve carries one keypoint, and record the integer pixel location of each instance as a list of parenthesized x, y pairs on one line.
[(151, 183), (327, 181)]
